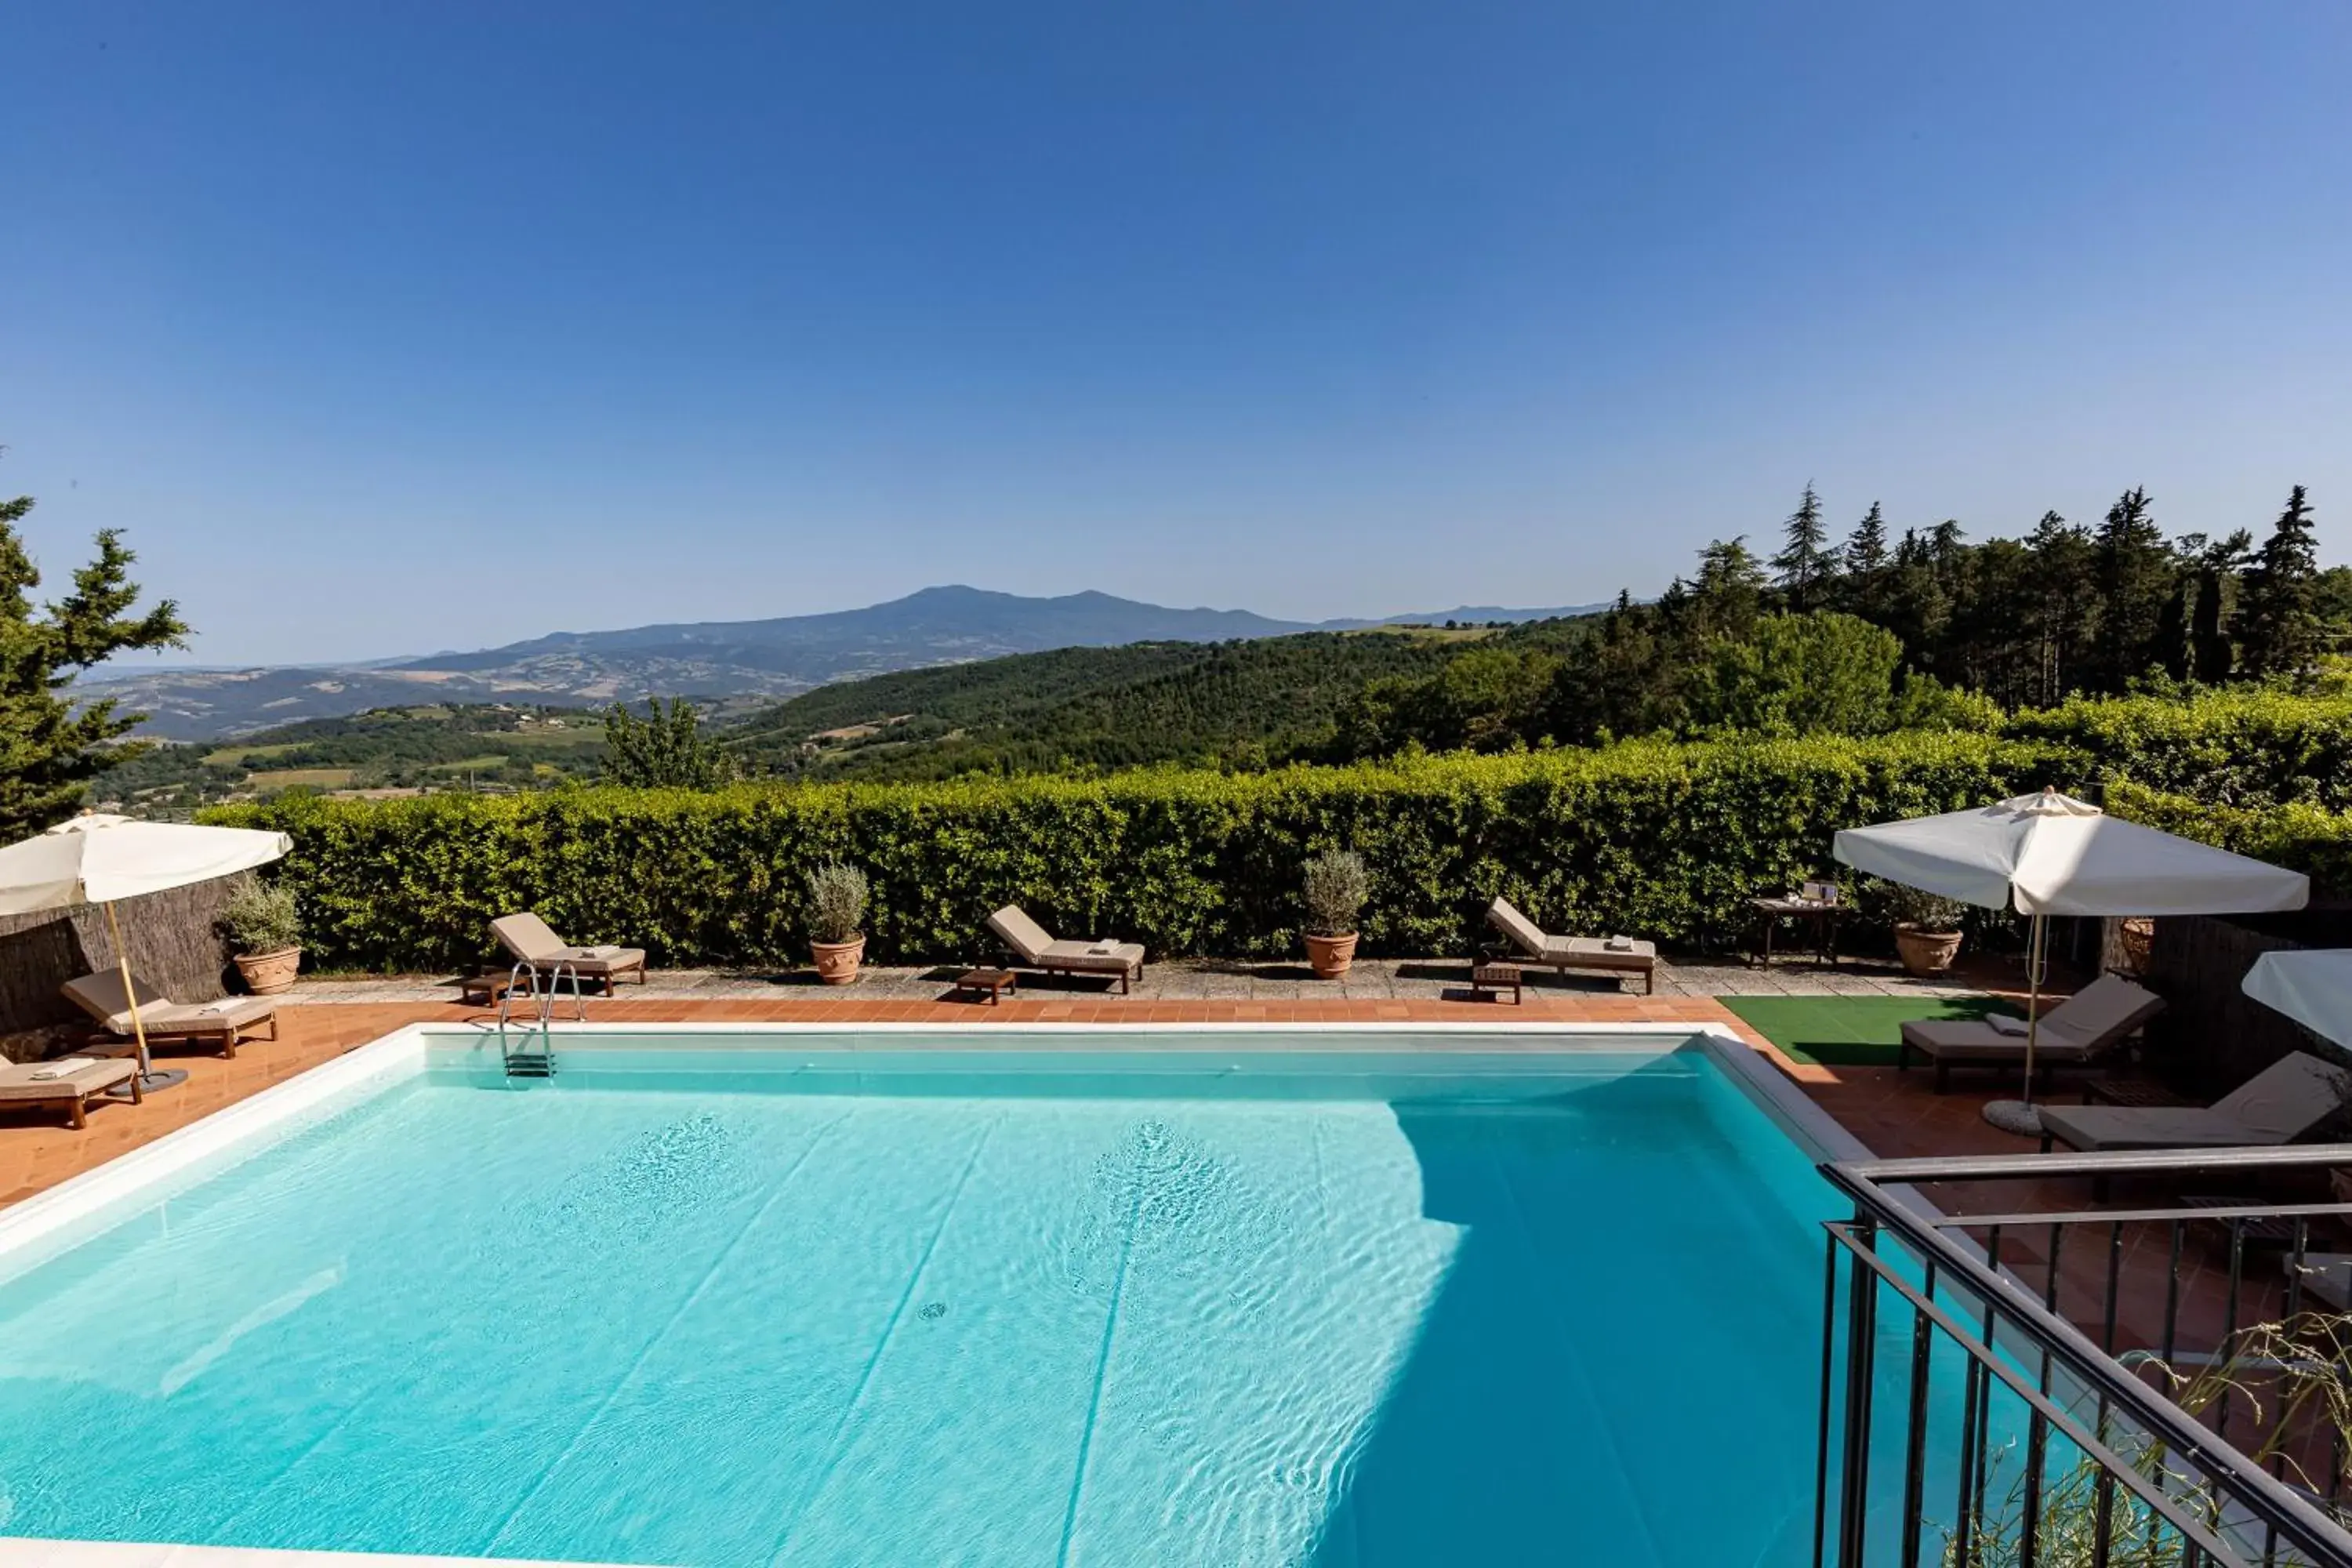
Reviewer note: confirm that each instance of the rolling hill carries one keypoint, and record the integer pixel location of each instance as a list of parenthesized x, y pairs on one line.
[(718, 662), (1084, 707)]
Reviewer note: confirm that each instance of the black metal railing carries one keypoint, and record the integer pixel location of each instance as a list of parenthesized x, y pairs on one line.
[(2053, 1387)]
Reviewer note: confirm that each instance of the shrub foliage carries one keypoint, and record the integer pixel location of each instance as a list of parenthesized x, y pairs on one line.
[(1669, 840)]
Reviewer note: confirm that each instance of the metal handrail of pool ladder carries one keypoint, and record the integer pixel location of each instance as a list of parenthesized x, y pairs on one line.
[(540, 1063)]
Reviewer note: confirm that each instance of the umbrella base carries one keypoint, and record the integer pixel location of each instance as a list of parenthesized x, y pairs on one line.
[(152, 1081), (2013, 1115)]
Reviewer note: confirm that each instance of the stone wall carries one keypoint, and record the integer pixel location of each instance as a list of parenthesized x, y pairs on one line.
[(175, 946)]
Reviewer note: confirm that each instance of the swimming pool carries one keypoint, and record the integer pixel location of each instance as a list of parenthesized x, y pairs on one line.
[(757, 1297)]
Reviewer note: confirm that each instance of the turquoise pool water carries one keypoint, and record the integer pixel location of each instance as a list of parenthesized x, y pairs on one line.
[(1229, 1310)]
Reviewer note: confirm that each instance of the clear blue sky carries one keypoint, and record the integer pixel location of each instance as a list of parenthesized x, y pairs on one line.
[(453, 325)]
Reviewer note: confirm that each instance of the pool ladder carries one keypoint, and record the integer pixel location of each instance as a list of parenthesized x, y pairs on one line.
[(527, 1048)]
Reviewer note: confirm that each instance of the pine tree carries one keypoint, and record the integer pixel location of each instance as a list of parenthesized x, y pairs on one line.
[(1943, 544), (48, 752), (2278, 623), (1866, 547), (2135, 574), (1805, 558), (1729, 591)]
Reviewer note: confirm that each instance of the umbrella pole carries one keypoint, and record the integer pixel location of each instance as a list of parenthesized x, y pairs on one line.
[(2036, 961), (130, 991)]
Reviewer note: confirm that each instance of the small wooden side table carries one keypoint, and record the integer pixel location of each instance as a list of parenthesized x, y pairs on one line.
[(992, 983), (487, 986), (1497, 978), (1823, 915)]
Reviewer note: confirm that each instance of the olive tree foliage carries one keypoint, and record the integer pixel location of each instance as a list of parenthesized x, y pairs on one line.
[(665, 750)]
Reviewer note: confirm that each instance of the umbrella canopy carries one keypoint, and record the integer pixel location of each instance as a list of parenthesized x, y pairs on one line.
[(97, 859), (2050, 854), (2313, 988)]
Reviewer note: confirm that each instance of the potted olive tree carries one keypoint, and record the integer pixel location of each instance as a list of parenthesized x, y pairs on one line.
[(1335, 890), (1926, 928), (836, 912), (265, 934)]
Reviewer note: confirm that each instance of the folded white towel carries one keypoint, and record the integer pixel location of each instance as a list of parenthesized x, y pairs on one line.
[(1103, 949), (601, 950), (64, 1067), (2006, 1023), (1619, 944)]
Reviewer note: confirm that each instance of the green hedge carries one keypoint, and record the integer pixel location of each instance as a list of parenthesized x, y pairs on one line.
[(2301, 837), (2234, 747), (1663, 840)]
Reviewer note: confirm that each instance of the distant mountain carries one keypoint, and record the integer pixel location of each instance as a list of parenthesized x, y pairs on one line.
[(708, 661), (1473, 614)]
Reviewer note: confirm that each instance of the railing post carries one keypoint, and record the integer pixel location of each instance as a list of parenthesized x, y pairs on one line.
[(1861, 1351)]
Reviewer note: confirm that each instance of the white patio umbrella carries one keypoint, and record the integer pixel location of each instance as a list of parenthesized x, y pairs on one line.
[(2314, 988), (2050, 854), (96, 859)]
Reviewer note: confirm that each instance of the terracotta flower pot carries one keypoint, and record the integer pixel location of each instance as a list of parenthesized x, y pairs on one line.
[(1925, 951), (267, 973), (1330, 955), (836, 961)]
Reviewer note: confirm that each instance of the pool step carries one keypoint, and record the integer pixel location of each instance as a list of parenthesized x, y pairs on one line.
[(530, 1064)]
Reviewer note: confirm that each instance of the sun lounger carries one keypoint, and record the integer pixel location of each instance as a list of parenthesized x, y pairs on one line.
[(2282, 1103), (1534, 946), (73, 1082), (1027, 942), (528, 938), (222, 1024), (2085, 1027)]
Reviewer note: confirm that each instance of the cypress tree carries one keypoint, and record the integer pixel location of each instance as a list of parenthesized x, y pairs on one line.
[(2211, 653)]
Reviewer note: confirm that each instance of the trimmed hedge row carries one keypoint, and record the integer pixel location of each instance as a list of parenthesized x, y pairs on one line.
[(2232, 747), (1665, 840), (2297, 836)]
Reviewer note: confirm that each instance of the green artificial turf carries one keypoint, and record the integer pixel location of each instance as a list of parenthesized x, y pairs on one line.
[(1849, 1031)]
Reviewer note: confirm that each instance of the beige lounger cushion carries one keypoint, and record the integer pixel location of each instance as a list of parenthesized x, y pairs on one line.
[(103, 997), (1123, 956), (1022, 934), (2277, 1105), (1967, 1039), (529, 938), (18, 1082), (1029, 940), (2087, 1023), (620, 961), (224, 1016), (1525, 933), (1595, 952)]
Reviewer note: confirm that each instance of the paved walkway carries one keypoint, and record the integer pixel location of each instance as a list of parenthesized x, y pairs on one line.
[(1210, 979)]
